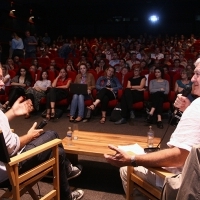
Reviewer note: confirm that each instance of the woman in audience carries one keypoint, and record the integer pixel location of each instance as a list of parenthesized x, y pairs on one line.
[(36, 64), (183, 82), (19, 84), (36, 92), (159, 89), (101, 66), (78, 99), (57, 92), (107, 87), (10, 64), (5, 78), (17, 46), (133, 93)]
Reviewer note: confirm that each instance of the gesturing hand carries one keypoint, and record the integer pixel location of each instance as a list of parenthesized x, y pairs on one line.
[(21, 108), (120, 158)]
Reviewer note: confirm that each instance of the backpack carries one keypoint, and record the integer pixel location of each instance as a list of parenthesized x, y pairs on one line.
[(116, 113)]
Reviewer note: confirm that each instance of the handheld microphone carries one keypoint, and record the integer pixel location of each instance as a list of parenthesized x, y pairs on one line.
[(175, 119), (177, 113), (42, 124)]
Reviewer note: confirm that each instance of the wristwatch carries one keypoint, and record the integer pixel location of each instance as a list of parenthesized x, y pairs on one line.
[(133, 161)]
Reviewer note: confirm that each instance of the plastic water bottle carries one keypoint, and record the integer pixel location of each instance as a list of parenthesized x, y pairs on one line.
[(69, 136), (150, 137)]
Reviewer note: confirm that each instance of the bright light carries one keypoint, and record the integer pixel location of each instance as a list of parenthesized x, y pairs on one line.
[(153, 18)]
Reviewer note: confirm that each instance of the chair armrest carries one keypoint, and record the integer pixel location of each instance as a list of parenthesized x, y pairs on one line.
[(172, 96), (23, 156)]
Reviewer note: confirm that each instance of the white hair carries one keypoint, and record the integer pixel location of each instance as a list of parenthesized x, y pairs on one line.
[(197, 62)]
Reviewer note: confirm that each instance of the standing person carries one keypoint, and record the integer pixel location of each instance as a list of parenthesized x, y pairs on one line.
[(17, 46), (34, 137), (57, 92), (159, 89), (107, 87), (30, 44), (78, 99), (19, 84), (185, 136), (133, 93), (36, 92)]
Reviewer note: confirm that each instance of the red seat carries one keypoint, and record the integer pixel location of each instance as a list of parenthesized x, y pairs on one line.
[(44, 60), (72, 75), (12, 73), (59, 60)]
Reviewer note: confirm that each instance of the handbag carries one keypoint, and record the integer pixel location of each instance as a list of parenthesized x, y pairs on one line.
[(116, 113)]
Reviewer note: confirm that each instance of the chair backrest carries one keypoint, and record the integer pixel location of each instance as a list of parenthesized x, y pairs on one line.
[(3, 149)]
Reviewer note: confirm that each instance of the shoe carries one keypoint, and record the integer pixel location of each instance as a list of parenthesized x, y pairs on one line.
[(121, 121), (132, 115), (76, 171), (77, 194), (53, 113), (102, 120), (149, 118), (71, 119), (78, 119), (160, 124)]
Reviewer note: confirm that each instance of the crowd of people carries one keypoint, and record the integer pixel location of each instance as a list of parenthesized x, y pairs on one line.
[(38, 68)]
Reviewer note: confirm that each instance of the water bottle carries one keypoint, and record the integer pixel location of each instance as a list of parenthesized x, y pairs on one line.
[(150, 137), (69, 136)]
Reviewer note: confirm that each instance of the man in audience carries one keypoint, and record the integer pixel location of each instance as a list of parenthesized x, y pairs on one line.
[(30, 44), (35, 137), (115, 60), (186, 135)]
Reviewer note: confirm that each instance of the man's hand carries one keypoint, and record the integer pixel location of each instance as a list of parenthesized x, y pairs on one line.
[(20, 107), (181, 102), (120, 158), (34, 133)]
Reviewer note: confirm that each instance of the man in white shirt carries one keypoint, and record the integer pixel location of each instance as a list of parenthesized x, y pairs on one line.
[(157, 55), (186, 135)]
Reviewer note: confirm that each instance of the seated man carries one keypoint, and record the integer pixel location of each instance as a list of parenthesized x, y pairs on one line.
[(35, 137), (186, 135)]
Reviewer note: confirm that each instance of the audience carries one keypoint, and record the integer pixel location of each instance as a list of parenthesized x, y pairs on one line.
[(5, 78), (17, 46)]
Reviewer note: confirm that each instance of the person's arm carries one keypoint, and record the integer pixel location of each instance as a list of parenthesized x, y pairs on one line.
[(33, 42), (55, 81), (67, 85), (176, 87), (139, 87), (166, 89), (172, 157), (98, 83), (119, 86)]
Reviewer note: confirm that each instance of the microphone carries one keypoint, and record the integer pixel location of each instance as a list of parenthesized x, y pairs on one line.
[(175, 119), (42, 124), (177, 113)]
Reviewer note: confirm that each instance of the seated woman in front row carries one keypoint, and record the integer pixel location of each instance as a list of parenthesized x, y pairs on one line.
[(159, 89), (107, 87), (38, 91), (133, 93), (57, 92), (78, 99)]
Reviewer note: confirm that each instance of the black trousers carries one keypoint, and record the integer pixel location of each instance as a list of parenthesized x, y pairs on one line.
[(18, 52), (128, 98), (105, 95), (56, 94), (14, 94), (157, 99)]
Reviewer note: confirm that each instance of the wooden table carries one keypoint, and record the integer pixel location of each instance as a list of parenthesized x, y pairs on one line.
[(96, 144)]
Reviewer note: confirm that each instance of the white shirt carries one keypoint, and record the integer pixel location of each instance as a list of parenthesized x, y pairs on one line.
[(12, 143), (43, 84), (186, 134), (157, 56)]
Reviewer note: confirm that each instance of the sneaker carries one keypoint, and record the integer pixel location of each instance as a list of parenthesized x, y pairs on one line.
[(132, 115), (76, 171), (77, 194)]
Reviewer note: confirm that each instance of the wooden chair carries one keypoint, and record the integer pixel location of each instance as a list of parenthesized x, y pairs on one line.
[(134, 181), (21, 183)]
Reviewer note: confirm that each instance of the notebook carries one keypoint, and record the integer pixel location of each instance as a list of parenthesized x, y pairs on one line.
[(76, 88)]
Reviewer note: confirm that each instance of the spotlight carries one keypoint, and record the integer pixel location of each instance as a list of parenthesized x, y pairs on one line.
[(153, 18)]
